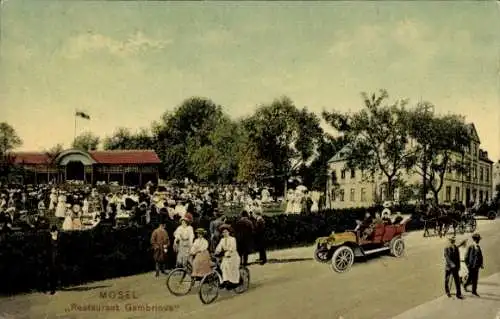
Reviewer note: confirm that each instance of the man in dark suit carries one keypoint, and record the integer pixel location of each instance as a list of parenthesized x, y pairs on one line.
[(474, 261), (452, 267)]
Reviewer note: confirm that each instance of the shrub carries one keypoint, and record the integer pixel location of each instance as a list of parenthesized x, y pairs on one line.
[(105, 252)]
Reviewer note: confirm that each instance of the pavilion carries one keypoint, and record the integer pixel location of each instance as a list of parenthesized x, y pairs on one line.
[(127, 167)]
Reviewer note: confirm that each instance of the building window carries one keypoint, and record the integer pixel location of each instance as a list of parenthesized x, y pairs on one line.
[(487, 196), (448, 194), (353, 173), (342, 174), (341, 193), (480, 196), (474, 195), (333, 195), (481, 176), (363, 195), (334, 177), (475, 172), (457, 193), (487, 174), (450, 165), (352, 195)]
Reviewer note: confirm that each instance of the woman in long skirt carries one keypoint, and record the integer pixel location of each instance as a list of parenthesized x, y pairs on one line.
[(183, 240), (201, 256), (230, 265)]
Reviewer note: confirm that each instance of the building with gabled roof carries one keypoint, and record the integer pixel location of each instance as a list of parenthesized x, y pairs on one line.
[(127, 167), (352, 188)]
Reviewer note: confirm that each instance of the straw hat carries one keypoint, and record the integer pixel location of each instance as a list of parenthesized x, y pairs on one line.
[(225, 227), (201, 231)]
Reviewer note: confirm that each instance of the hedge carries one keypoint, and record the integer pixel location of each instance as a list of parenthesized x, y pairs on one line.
[(106, 252)]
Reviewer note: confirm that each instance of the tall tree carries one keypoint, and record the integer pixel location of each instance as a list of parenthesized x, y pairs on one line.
[(86, 141), (377, 136), (440, 143), (216, 161), (190, 124), (9, 140), (124, 139), (284, 137)]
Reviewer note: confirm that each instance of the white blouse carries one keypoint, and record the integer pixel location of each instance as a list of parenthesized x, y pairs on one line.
[(227, 245), (199, 245), (184, 233)]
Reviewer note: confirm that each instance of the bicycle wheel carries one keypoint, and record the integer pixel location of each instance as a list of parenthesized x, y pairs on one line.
[(179, 282), (244, 281), (209, 288)]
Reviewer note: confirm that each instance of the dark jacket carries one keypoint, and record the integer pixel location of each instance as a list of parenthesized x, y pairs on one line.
[(452, 258), (474, 257), (243, 230)]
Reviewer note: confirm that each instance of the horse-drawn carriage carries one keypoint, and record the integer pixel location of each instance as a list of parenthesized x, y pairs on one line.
[(342, 248), (438, 221)]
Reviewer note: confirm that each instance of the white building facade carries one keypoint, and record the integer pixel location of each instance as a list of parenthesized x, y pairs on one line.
[(352, 188)]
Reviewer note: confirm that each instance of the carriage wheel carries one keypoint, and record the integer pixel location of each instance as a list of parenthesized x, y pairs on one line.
[(322, 255), (492, 215), (472, 225), (397, 247), (342, 259), (209, 288), (462, 227), (179, 282), (244, 281)]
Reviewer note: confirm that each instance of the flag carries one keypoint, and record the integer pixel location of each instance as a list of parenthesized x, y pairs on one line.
[(82, 115)]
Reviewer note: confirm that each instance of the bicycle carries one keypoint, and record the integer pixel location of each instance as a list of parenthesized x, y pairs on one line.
[(211, 283)]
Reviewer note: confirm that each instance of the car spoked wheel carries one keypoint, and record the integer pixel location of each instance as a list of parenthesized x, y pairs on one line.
[(397, 247), (321, 255), (342, 259)]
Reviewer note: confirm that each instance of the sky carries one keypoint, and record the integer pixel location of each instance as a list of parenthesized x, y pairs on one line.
[(126, 63)]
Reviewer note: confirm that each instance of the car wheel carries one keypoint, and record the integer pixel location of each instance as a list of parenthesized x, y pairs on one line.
[(342, 259)]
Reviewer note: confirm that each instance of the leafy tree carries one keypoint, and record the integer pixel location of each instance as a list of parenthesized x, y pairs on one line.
[(9, 140), (86, 141), (216, 161), (188, 126), (124, 139), (282, 137), (438, 139), (377, 136), (315, 175)]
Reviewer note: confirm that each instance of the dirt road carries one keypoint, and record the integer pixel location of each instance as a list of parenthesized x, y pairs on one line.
[(292, 286)]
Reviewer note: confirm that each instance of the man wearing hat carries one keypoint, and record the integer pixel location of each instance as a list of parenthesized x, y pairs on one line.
[(452, 267), (474, 261)]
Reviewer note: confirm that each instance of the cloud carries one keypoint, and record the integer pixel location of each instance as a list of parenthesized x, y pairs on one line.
[(83, 44)]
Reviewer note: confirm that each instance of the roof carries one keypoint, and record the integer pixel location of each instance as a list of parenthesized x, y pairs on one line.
[(473, 132), (340, 155), (117, 157)]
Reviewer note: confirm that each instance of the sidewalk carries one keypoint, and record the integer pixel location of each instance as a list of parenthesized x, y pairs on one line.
[(487, 306)]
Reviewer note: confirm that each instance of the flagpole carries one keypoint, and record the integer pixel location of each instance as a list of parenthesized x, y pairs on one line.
[(74, 135)]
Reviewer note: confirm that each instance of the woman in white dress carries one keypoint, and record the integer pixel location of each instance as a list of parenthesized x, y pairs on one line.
[(289, 202), (201, 256), (77, 223), (297, 203), (53, 200), (183, 241), (68, 220), (230, 265), (315, 205), (61, 206), (85, 206)]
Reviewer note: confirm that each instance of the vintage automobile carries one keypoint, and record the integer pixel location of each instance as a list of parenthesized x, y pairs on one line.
[(341, 249)]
